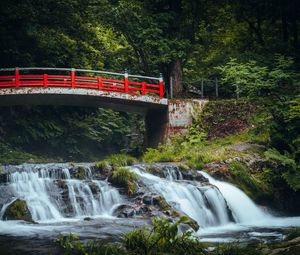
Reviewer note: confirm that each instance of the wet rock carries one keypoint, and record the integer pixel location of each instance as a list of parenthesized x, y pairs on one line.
[(87, 219), (18, 210), (102, 169), (148, 200), (80, 172), (218, 170), (193, 176), (125, 211), (3, 175), (182, 228)]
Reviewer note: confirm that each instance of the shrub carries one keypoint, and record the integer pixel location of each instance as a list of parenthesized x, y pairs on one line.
[(115, 161), (293, 233), (72, 246), (164, 153), (242, 177), (119, 160), (125, 178), (163, 238)]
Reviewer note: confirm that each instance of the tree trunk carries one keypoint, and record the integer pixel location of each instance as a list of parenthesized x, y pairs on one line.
[(176, 75)]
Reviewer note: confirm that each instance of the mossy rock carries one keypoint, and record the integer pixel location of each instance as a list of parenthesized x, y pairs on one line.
[(164, 206), (18, 210), (1, 169), (80, 173), (103, 167), (124, 178)]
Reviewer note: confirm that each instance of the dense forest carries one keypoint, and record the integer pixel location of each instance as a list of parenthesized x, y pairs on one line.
[(253, 47), (248, 134)]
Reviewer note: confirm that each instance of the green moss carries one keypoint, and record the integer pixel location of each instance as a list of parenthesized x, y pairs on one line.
[(164, 153), (80, 173), (119, 160), (162, 203), (241, 175), (103, 166), (124, 178), (114, 161), (18, 210)]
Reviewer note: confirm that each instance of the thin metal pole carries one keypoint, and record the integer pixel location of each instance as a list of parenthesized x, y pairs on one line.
[(171, 87), (217, 87), (202, 88)]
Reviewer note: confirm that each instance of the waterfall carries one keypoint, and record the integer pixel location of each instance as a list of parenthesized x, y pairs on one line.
[(243, 208), (205, 204), (51, 193)]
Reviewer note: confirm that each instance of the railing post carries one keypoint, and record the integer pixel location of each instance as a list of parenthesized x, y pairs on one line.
[(45, 80), (73, 78), (161, 86), (126, 82), (17, 77), (202, 88), (143, 88), (99, 83), (217, 87), (171, 87)]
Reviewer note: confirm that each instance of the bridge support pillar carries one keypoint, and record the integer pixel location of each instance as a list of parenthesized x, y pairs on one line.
[(161, 125)]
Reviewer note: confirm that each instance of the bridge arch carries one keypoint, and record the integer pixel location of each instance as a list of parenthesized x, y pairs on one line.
[(89, 88)]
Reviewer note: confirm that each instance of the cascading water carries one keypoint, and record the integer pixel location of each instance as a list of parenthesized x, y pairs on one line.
[(242, 207), (213, 205), (59, 196), (52, 194), (205, 204)]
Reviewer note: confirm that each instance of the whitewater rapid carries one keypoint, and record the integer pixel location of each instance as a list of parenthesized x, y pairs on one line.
[(59, 202)]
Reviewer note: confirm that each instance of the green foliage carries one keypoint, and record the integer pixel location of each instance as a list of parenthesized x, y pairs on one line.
[(163, 153), (284, 160), (236, 249), (162, 239), (119, 160), (243, 178), (11, 155), (72, 133), (254, 80), (72, 246), (246, 77), (293, 233), (123, 177), (290, 169), (115, 161)]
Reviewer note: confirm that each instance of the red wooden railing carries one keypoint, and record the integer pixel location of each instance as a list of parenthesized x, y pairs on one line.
[(88, 79)]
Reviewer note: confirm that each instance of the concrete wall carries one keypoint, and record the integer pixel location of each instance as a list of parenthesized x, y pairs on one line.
[(162, 125), (181, 114)]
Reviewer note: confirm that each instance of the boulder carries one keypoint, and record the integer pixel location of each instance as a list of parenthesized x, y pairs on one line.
[(124, 211), (18, 210)]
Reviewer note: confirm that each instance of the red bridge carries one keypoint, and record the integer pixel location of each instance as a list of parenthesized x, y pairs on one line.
[(118, 91), (81, 78), (80, 87)]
